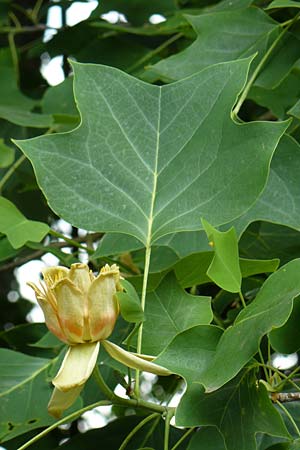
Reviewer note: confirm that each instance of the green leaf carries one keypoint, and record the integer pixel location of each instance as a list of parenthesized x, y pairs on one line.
[(295, 110), (135, 11), (115, 244), (14, 106), (209, 438), (6, 250), (192, 270), (25, 380), (135, 137), (239, 410), (17, 228), (191, 352), (270, 309), (263, 240), (172, 310), (224, 268), (279, 99), (7, 154), (130, 304), (113, 434), (283, 4), (286, 339), (25, 118), (221, 36), (48, 341), (277, 203)]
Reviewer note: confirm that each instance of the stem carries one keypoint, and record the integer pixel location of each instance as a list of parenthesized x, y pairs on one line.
[(242, 299), (289, 416), (36, 10), (182, 438), (42, 251), (102, 384), (66, 419), (143, 302), (154, 52), (10, 172), (136, 429), (130, 402), (14, 54), (282, 375), (263, 365), (150, 432), (260, 66), (167, 429), (72, 242)]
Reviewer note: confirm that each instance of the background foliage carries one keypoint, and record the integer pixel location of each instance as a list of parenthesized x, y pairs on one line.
[(172, 148)]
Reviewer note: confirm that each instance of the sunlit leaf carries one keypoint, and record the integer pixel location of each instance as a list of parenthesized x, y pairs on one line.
[(17, 228), (224, 268), (154, 158)]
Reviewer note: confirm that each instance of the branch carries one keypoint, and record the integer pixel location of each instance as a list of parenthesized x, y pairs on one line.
[(284, 397), (39, 253)]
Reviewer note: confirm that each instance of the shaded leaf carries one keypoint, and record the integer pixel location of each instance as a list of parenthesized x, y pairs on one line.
[(221, 36), (24, 380), (270, 309), (130, 304), (263, 240), (7, 154), (208, 437), (279, 99), (295, 110), (147, 134), (286, 339), (6, 250), (283, 4), (192, 270), (17, 228), (135, 11), (14, 106), (278, 203), (191, 352), (239, 410), (172, 310)]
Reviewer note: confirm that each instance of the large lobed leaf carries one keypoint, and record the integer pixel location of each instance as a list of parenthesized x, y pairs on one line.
[(279, 202), (239, 411), (270, 309), (149, 160)]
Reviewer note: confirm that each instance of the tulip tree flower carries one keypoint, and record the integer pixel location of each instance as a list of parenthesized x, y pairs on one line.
[(81, 310)]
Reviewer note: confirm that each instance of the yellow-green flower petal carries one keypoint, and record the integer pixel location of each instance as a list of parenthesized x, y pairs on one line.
[(79, 274), (48, 305), (132, 360), (70, 310), (77, 366), (102, 303), (60, 401)]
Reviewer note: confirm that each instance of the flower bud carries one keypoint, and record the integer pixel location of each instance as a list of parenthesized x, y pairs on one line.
[(79, 307)]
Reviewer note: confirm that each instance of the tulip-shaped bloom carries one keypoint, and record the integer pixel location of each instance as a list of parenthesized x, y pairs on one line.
[(81, 310)]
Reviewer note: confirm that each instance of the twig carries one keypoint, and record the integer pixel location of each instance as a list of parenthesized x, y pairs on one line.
[(261, 65), (10, 172), (38, 253), (284, 397)]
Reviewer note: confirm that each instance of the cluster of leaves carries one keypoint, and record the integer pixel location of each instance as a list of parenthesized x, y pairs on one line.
[(177, 147)]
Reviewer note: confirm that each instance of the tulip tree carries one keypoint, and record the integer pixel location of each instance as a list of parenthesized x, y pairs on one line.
[(157, 185)]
